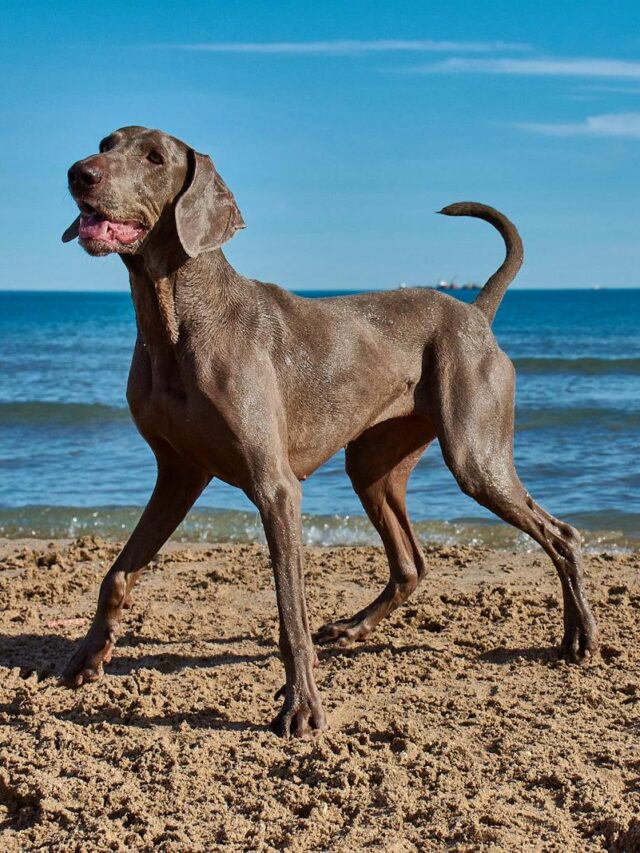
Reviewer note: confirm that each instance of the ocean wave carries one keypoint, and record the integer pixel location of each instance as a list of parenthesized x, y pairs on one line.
[(61, 414), (614, 420), (605, 530), (82, 414), (584, 366)]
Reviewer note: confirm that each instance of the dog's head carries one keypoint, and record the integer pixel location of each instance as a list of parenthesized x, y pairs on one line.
[(145, 182)]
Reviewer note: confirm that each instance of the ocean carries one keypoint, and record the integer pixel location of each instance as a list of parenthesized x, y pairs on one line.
[(71, 461)]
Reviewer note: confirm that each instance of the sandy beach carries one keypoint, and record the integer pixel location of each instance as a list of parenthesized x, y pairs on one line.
[(453, 727)]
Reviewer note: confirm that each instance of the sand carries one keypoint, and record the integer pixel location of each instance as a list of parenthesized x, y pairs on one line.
[(454, 727)]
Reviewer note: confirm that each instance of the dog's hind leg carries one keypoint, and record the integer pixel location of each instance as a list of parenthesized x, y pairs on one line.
[(177, 488), (379, 464), (475, 431)]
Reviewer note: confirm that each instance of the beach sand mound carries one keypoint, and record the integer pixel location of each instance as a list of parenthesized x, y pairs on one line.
[(453, 727)]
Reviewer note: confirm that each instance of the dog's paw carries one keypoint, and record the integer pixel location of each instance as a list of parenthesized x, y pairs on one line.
[(88, 661), (579, 643), (301, 720)]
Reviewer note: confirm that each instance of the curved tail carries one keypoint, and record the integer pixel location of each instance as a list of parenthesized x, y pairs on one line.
[(490, 297)]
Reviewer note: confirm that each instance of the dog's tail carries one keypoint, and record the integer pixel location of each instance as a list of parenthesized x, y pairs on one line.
[(490, 297)]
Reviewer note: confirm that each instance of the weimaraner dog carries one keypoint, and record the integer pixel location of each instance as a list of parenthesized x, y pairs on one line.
[(240, 380)]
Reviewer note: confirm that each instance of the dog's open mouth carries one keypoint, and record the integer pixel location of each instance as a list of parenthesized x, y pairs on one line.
[(96, 226)]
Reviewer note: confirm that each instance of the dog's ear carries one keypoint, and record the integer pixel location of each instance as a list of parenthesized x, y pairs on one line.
[(206, 213), (72, 231)]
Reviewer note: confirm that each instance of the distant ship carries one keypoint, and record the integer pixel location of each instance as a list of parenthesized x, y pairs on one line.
[(452, 285), (443, 284)]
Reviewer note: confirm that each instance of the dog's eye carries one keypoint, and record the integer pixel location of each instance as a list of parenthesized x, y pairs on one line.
[(154, 157), (105, 145)]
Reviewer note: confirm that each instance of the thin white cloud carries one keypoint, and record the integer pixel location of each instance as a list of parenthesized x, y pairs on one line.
[(614, 124), (550, 67), (351, 47)]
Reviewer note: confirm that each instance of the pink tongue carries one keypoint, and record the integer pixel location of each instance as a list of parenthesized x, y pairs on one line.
[(94, 227)]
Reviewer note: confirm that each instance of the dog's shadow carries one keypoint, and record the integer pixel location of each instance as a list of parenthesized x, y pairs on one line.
[(47, 654)]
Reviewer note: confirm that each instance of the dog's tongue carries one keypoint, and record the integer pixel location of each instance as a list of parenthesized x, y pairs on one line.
[(96, 227)]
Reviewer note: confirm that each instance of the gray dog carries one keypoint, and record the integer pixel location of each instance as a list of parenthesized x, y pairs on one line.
[(243, 381)]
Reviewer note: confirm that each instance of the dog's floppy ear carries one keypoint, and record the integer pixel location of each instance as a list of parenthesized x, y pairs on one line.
[(206, 213), (72, 231)]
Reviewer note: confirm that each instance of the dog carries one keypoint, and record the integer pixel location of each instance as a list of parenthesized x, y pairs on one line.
[(240, 380)]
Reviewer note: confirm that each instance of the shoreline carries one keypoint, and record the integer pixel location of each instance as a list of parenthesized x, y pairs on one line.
[(220, 526)]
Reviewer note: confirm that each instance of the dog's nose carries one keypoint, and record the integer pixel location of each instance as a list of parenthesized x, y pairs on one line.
[(85, 174)]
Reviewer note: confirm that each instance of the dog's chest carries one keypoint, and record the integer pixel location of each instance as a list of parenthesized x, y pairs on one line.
[(171, 411)]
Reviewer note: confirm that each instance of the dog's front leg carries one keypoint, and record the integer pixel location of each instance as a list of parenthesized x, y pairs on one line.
[(279, 500), (177, 488)]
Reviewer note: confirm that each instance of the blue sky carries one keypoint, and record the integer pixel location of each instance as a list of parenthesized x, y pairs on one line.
[(340, 127)]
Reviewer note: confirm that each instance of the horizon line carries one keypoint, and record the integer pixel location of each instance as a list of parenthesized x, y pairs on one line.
[(345, 290)]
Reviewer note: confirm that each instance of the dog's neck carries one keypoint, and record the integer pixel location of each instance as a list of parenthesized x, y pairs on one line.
[(161, 290)]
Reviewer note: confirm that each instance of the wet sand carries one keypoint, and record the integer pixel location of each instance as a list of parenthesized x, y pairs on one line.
[(453, 727)]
